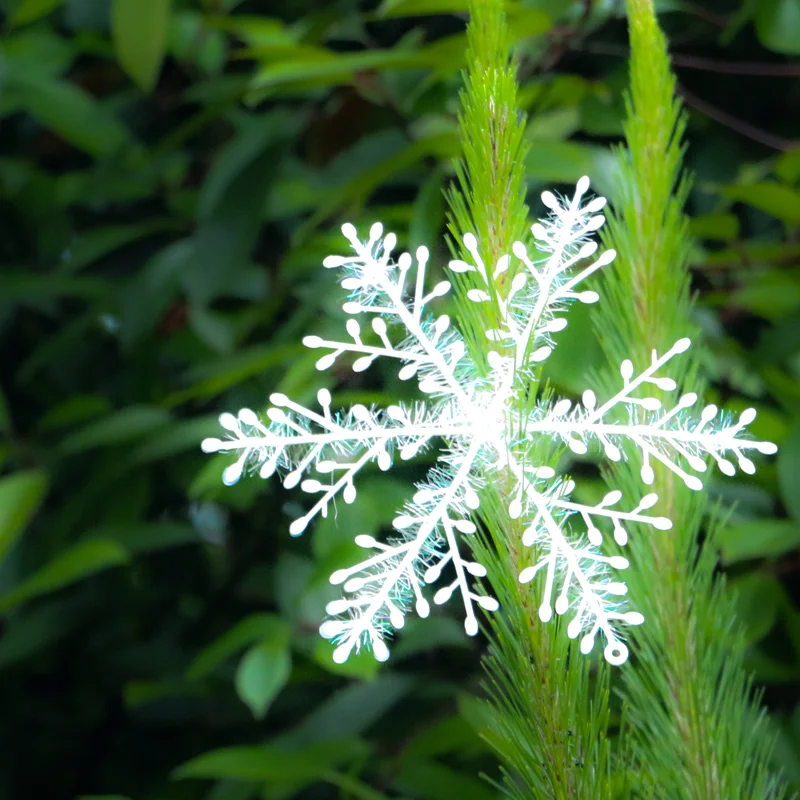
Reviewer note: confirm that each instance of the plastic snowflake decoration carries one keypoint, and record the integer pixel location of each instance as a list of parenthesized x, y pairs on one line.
[(487, 436)]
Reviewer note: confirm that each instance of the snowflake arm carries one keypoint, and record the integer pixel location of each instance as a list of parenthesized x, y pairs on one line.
[(299, 439), (577, 566), (666, 436), (378, 286), (383, 585), (544, 287), (582, 569)]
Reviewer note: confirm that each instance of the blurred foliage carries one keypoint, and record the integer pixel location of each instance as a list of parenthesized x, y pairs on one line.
[(171, 175)]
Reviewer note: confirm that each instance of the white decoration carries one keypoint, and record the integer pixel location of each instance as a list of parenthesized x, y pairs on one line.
[(486, 434)]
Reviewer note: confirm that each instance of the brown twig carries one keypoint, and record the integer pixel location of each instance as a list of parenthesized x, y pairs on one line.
[(756, 68), (688, 61), (740, 126), (561, 39), (725, 266), (720, 20)]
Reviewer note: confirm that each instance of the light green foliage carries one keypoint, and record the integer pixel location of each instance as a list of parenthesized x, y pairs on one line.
[(695, 730), (545, 719), (263, 671), (778, 24), (72, 565), (139, 31), (20, 496), (31, 10)]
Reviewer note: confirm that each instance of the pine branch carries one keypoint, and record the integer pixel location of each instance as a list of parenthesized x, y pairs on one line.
[(695, 729), (545, 718)]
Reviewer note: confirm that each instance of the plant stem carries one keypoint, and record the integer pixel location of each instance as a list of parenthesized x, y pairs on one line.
[(695, 731), (545, 717)]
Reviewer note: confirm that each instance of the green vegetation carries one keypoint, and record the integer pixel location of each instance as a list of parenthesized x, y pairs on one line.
[(171, 176)]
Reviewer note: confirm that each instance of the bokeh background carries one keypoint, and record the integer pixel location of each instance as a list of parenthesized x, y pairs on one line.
[(171, 176)]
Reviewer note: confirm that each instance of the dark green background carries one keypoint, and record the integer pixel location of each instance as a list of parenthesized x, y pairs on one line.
[(170, 180)]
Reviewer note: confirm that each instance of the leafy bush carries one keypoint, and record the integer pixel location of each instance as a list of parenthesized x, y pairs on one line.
[(171, 176)]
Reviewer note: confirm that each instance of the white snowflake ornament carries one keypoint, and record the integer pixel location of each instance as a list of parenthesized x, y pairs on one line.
[(487, 433)]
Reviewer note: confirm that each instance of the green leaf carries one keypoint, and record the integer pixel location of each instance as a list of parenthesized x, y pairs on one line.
[(212, 328), (30, 10), (451, 735), (153, 290), (789, 472), (361, 665), (778, 343), (425, 636), (136, 694), (768, 669), (352, 787), (787, 166), (601, 114), (273, 763), (37, 629), (786, 753), (124, 425), (792, 620), (554, 125), (175, 438), (37, 48), (73, 410), (70, 112), (17, 286), (146, 536), (236, 158), (306, 65), (263, 671), (251, 629), (231, 219), (214, 377), (100, 242), (441, 145), (350, 711), (59, 345), (258, 30), (758, 538), (429, 780), (5, 416), (193, 42), (139, 31), (723, 227), (563, 162), (759, 600), (79, 561), (418, 8), (102, 797), (775, 199), (234, 790), (771, 295), (778, 25), (522, 21), (21, 495), (251, 763), (427, 213), (329, 68)]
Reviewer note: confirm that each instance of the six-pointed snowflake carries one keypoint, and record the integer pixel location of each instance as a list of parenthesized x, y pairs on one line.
[(486, 434)]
